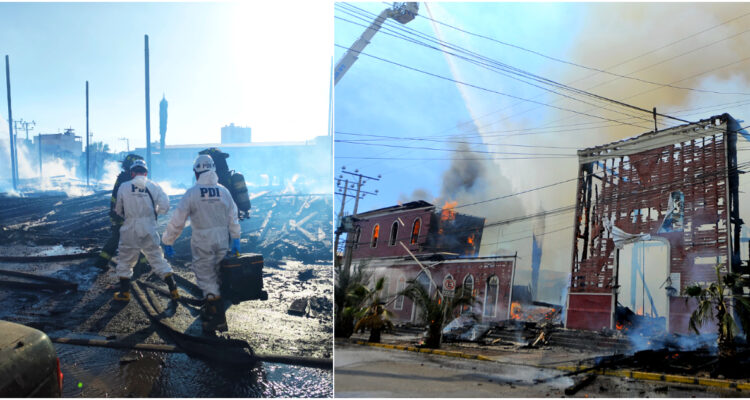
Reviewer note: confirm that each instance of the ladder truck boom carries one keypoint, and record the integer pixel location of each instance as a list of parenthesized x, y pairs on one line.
[(401, 12)]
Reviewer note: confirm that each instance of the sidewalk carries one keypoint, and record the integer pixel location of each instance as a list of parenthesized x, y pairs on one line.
[(554, 357)]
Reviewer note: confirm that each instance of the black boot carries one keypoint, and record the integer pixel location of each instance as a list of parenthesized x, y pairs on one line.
[(169, 279), (213, 315), (124, 293)]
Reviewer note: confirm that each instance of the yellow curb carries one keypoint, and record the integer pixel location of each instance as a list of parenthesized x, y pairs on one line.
[(651, 376), (647, 376), (446, 353)]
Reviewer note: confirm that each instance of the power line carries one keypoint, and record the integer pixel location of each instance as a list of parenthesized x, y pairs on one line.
[(626, 61), (494, 65), (592, 68), (510, 69), (452, 150), (489, 90)]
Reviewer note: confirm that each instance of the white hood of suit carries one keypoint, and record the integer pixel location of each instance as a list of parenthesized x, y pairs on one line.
[(208, 178)]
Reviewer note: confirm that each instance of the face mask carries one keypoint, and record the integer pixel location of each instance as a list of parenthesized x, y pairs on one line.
[(140, 181)]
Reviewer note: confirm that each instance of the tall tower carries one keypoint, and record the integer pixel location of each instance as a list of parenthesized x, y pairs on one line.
[(162, 123)]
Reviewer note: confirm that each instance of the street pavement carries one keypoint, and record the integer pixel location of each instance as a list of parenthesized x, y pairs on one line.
[(364, 371)]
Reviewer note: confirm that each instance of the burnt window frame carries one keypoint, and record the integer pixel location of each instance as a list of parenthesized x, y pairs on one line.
[(357, 235), (375, 236), (415, 239), (394, 234), (486, 293), (400, 286), (468, 308)]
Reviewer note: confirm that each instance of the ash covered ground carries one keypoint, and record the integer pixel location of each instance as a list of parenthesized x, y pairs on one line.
[(293, 234)]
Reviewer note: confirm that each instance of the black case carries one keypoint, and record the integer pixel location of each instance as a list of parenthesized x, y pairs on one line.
[(242, 278)]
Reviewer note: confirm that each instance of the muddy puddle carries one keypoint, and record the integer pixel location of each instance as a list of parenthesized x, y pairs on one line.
[(104, 372)]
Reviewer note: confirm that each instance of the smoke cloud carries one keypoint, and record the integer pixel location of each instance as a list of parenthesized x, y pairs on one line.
[(708, 60)]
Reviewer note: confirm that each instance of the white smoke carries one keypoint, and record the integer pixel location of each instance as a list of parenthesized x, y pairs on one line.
[(111, 170), (171, 190)]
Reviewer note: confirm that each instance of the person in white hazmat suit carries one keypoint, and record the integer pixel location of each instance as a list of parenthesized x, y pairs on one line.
[(139, 201), (213, 216)]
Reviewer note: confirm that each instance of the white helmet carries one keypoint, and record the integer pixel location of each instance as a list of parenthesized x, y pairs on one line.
[(203, 163), (138, 164)]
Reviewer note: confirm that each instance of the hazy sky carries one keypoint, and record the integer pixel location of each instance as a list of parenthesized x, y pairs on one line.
[(254, 64), (701, 49)]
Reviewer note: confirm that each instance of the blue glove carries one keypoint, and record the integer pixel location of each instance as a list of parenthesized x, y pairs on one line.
[(235, 246), (169, 251)]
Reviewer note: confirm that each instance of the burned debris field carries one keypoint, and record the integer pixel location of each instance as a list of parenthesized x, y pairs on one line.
[(154, 346)]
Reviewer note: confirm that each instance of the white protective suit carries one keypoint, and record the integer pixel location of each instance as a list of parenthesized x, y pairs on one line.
[(138, 232), (213, 217)]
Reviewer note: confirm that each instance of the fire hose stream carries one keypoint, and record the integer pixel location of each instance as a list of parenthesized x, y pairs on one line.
[(223, 350)]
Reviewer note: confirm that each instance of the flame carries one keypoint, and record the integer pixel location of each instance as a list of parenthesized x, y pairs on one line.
[(448, 214), (618, 326), (640, 311), (515, 310), (470, 240)]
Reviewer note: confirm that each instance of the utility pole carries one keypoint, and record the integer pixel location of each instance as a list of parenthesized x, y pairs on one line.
[(88, 145), (340, 227), (14, 177), (127, 141), (148, 113), (25, 126), (40, 159), (360, 194)]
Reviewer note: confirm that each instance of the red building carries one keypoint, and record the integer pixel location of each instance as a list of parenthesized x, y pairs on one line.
[(673, 194), (415, 241)]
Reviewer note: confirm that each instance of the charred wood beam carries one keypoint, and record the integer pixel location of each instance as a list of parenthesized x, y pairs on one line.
[(588, 172), (168, 348), (573, 389), (60, 257), (50, 283)]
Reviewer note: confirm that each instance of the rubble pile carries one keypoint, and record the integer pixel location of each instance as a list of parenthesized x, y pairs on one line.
[(294, 226), (55, 219)]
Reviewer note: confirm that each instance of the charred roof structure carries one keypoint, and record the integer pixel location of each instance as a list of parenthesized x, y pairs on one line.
[(420, 227), (675, 190)]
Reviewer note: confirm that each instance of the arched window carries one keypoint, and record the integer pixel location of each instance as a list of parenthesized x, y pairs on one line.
[(490, 296), (415, 230), (394, 232), (468, 287), (399, 304), (357, 234), (386, 288), (375, 234)]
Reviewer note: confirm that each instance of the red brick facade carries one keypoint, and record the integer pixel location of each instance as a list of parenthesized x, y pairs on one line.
[(491, 279), (632, 188)]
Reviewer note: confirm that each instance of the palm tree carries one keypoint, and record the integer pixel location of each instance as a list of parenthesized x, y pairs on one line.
[(374, 317), (347, 303), (436, 309), (720, 294)]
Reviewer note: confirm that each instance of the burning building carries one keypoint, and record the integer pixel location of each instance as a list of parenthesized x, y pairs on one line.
[(438, 249), (654, 213)]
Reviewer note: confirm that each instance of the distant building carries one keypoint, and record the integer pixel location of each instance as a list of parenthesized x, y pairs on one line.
[(64, 145), (235, 134), (306, 165), (446, 243), (163, 104)]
